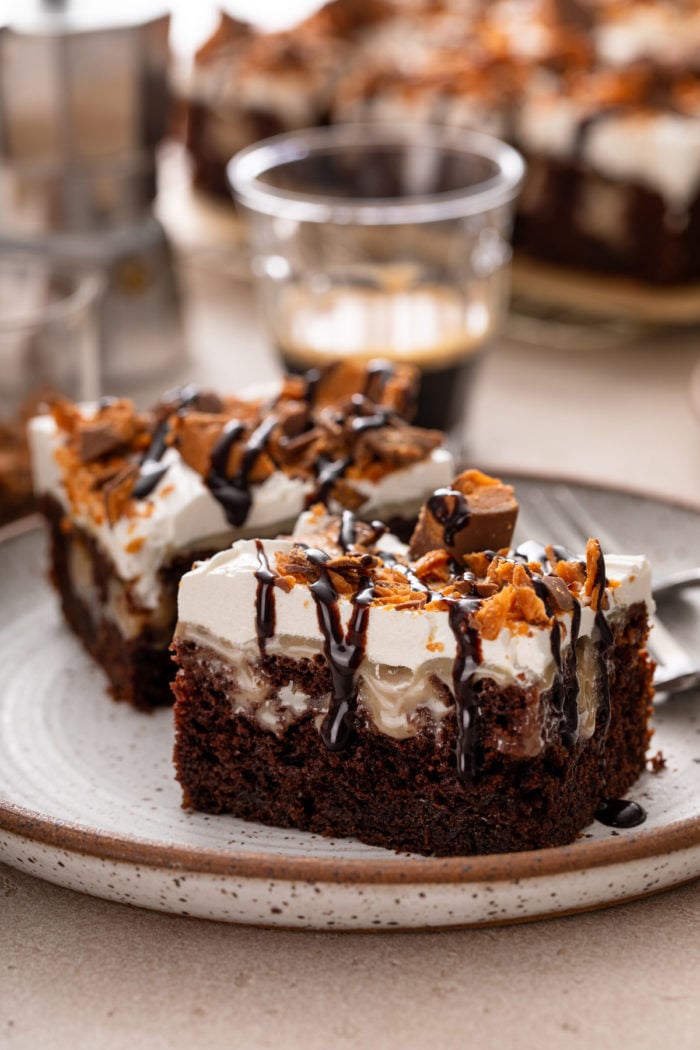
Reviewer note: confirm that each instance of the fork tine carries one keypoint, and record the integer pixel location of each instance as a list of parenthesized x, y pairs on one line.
[(552, 525), (580, 519)]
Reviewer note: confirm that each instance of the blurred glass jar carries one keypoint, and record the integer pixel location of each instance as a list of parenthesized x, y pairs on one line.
[(49, 347), (383, 241), (84, 105)]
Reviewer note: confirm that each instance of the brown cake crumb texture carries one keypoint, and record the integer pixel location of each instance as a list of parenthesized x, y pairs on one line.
[(406, 795)]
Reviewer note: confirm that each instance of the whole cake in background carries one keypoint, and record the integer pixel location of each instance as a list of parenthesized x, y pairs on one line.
[(134, 498), (448, 697), (601, 96)]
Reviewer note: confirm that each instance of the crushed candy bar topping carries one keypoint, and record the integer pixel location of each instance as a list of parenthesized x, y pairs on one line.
[(332, 428), (512, 591)]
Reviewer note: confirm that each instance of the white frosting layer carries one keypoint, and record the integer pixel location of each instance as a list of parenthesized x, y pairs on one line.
[(218, 598), (548, 124), (181, 512), (660, 150)]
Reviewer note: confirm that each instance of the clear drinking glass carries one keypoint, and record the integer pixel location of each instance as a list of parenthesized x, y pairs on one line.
[(383, 241), (49, 346)]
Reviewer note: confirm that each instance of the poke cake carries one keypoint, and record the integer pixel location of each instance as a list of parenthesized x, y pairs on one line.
[(134, 498), (601, 98), (450, 696)]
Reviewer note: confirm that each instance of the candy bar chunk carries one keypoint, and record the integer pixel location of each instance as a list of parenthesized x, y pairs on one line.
[(475, 513)]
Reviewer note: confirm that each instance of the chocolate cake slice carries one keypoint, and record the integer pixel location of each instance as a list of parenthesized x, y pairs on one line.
[(132, 499), (441, 699)]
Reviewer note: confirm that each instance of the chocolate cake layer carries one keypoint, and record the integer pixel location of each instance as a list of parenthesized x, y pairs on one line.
[(637, 238), (139, 668), (406, 794)]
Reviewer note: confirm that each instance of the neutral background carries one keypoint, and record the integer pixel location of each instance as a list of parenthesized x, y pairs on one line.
[(79, 972)]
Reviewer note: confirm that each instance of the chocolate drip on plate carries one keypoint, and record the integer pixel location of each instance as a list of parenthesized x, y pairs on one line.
[(264, 599), (620, 813), (466, 662), (344, 650)]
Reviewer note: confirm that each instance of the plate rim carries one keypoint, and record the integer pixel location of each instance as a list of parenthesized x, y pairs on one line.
[(397, 868), (580, 855)]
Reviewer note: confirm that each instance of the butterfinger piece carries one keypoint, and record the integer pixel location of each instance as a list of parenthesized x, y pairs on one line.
[(476, 513)]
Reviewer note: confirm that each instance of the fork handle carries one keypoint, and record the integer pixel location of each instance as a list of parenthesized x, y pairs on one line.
[(676, 581)]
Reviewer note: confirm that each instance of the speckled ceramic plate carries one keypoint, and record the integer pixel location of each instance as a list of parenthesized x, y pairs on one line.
[(88, 799), (695, 390)]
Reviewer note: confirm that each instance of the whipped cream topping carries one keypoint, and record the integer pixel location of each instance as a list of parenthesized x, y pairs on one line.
[(659, 150), (405, 649), (660, 32), (653, 149), (181, 511)]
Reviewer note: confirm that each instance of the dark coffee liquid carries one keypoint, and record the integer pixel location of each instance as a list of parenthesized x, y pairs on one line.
[(428, 326)]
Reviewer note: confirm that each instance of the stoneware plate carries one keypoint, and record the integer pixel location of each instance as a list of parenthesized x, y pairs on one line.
[(695, 390), (88, 799)]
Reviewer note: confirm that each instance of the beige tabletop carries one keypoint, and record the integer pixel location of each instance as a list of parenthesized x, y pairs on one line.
[(80, 972)]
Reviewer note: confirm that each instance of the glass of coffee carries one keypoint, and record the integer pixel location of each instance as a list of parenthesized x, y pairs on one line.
[(383, 241)]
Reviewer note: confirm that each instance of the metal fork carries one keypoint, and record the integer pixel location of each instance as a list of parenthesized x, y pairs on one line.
[(572, 524)]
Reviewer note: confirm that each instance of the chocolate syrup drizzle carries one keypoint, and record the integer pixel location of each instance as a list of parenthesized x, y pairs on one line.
[(531, 550), (379, 373), (312, 378), (377, 419), (344, 650), (467, 660), (264, 599), (416, 583), (603, 639), (347, 534), (450, 509), (233, 493), (150, 469), (565, 687), (329, 471)]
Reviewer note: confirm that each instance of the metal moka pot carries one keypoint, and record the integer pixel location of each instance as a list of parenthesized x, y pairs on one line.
[(83, 106)]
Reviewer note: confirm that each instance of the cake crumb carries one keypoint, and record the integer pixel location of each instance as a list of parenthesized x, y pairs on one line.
[(657, 762)]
